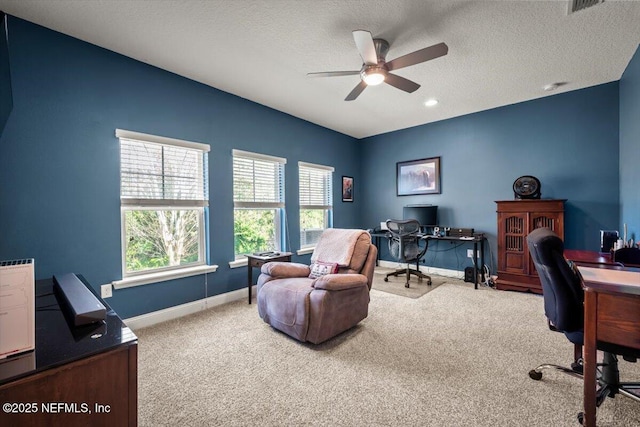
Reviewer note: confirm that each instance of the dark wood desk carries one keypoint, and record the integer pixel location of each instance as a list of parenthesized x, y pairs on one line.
[(612, 314), (589, 257), (259, 261), (82, 375)]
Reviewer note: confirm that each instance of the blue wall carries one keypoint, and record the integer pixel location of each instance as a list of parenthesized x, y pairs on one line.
[(569, 141), (630, 147), (59, 160), (6, 99)]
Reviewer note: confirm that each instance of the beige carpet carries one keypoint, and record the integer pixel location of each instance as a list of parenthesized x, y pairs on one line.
[(455, 357), (395, 285)]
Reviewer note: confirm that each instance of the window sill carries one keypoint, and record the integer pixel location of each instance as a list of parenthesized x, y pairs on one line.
[(145, 279), (305, 251), (238, 263)]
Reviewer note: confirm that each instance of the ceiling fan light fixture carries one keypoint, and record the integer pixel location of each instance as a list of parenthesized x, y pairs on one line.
[(373, 76), (375, 68)]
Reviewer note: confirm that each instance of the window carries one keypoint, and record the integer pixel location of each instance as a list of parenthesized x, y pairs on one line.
[(258, 201), (163, 199), (316, 202)]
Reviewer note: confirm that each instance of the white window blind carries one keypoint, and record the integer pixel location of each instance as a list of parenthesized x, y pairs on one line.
[(316, 201), (316, 189), (162, 174), (258, 180)]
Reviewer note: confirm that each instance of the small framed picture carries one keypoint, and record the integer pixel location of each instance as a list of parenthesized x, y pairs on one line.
[(418, 177), (347, 189)]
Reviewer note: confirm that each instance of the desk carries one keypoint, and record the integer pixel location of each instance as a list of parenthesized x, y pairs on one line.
[(259, 261), (94, 364), (611, 314), (477, 238), (589, 257), (376, 241)]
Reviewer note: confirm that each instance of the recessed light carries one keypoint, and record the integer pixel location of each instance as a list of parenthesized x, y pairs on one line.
[(431, 102)]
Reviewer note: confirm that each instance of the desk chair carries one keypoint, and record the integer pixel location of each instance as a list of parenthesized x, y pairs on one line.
[(563, 305), (404, 245)]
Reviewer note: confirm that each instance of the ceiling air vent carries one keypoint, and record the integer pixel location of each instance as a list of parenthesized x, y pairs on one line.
[(576, 5)]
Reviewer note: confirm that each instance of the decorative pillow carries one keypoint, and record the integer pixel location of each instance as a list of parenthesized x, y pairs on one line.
[(320, 268)]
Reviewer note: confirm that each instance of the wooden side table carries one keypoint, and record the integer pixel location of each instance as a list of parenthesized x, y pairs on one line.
[(258, 261)]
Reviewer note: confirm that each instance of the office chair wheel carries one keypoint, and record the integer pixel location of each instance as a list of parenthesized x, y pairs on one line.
[(535, 375), (406, 285), (386, 279), (429, 282), (581, 418), (577, 367)]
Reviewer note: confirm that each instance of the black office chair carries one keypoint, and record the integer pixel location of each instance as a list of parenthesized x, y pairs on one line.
[(564, 307), (627, 256), (404, 245)]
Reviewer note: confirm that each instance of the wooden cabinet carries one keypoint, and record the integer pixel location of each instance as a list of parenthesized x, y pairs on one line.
[(100, 390), (516, 219), (76, 376)]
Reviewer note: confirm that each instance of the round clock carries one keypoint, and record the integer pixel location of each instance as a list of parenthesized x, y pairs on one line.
[(526, 187)]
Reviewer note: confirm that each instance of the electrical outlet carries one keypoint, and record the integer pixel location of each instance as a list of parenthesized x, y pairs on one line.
[(106, 291), (469, 253)]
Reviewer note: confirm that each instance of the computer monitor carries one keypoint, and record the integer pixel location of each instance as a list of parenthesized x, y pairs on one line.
[(427, 215)]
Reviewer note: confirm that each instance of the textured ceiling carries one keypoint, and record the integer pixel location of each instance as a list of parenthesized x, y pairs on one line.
[(500, 52)]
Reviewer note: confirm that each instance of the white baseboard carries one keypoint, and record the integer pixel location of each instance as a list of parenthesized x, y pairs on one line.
[(425, 269), (155, 317)]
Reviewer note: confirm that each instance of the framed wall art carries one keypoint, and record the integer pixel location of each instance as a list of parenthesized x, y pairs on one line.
[(347, 189), (418, 177)]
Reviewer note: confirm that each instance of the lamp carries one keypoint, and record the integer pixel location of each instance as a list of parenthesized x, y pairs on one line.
[(373, 75)]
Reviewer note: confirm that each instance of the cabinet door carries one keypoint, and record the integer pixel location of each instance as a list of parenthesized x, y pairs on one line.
[(511, 245), (551, 220)]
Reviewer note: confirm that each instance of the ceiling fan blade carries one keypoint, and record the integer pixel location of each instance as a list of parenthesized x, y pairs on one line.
[(366, 48), (356, 91), (401, 83), (422, 55), (333, 74)]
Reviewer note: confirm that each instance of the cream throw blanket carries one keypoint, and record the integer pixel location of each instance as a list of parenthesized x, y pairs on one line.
[(336, 245)]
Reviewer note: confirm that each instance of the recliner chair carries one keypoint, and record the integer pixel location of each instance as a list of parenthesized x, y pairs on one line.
[(564, 307), (404, 245), (315, 303)]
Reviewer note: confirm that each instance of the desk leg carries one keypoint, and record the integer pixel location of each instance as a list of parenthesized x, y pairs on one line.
[(482, 276), (426, 249), (475, 265), (249, 279), (590, 350), (377, 243)]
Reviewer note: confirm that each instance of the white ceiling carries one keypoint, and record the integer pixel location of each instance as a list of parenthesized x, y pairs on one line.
[(500, 52)]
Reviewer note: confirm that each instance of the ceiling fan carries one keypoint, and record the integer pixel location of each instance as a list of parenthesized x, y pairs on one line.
[(375, 69)]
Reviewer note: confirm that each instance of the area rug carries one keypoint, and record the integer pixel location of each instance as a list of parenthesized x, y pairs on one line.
[(416, 288)]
